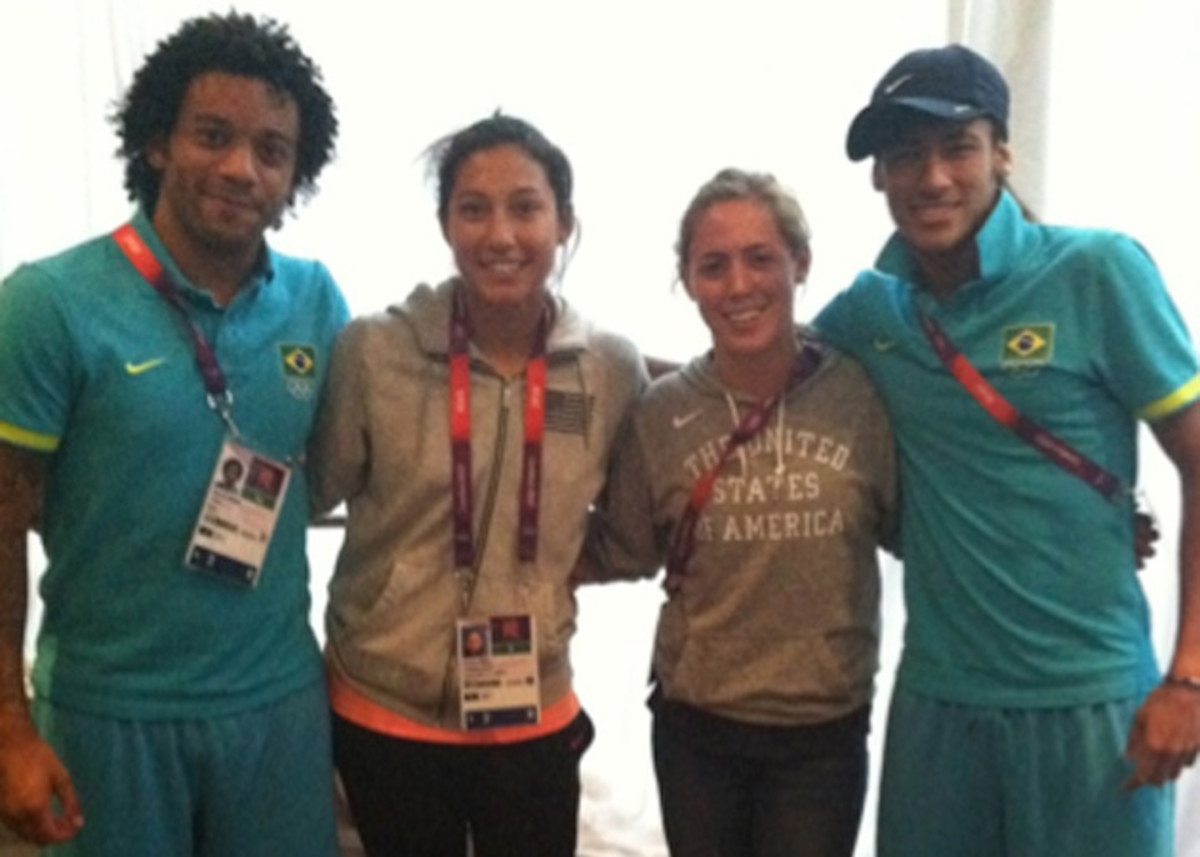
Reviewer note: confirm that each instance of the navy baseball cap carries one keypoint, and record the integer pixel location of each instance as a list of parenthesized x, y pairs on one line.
[(952, 82)]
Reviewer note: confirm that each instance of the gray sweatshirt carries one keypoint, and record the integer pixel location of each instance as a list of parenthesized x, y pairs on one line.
[(776, 621), (382, 444)]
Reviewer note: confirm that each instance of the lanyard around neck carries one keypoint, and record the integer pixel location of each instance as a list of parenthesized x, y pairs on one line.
[(220, 398), (683, 543), (999, 409), (530, 497)]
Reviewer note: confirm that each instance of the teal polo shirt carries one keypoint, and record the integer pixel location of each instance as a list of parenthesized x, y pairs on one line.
[(1020, 582), (98, 372)]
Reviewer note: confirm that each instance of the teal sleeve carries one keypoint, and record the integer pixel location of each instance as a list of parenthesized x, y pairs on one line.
[(341, 311), (36, 361), (834, 322), (1146, 353)]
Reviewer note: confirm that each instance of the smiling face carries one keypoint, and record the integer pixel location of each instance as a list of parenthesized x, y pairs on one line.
[(503, 225), (227, 166), (941, 180), (743, 276)]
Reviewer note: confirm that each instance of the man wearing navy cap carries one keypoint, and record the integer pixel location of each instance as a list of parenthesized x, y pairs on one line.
[(1029, 716)]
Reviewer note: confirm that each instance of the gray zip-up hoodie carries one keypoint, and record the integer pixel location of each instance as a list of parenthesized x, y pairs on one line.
[(776, 620), (382, 444)]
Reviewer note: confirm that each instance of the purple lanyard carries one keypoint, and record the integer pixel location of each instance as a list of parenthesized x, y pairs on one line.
[(460, 439), (220, 398), (683, 543), (999, 409)]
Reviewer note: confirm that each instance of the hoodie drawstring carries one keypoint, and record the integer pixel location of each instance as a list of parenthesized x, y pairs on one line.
[(780, 420)]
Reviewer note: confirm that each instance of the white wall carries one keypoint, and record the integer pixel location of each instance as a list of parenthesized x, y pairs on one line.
[(648, 99)]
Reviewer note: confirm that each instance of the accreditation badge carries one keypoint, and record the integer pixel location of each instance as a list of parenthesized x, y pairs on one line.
[(498, 672), (240, 511)]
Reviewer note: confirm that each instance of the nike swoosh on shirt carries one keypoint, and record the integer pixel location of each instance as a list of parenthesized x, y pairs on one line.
[(144, 366), (679, 422), (883, 344)]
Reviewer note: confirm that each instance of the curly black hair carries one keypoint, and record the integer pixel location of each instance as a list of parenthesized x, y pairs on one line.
[(235, 44)]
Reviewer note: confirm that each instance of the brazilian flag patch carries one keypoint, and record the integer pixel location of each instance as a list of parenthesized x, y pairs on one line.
[(299, 361), (299, 364), (1027, 345)]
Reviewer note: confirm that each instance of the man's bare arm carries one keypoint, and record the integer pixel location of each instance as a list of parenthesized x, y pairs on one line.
[(31, 776), (22, 477), (1166, 734)]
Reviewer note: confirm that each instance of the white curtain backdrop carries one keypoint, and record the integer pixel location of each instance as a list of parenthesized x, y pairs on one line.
[(1016, 35), (648, 100)]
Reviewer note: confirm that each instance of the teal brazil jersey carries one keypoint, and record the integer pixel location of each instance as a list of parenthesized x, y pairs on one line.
[(98, 372), (1019, 578)]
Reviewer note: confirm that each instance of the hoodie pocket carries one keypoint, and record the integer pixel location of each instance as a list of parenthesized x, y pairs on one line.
[(554, 606), (398, 634)]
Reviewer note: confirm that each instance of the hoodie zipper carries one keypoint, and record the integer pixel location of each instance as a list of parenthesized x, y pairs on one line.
[(467, 579), (489, 505)]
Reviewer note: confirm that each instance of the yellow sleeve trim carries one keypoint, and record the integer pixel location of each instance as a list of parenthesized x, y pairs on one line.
[(1172, 402), (28, 439)]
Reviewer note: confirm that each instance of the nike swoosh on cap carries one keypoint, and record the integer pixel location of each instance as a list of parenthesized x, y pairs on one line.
[(896, 84)]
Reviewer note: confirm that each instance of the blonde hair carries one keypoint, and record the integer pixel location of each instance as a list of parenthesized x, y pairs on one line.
[(732, 184)]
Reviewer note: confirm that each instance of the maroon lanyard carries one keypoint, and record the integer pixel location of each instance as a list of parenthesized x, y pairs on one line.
[(1058, 451), (220, 399), (460, 439), (683, 543)]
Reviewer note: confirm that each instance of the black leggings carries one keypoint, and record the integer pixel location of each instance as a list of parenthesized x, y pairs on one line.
[(419, 799)]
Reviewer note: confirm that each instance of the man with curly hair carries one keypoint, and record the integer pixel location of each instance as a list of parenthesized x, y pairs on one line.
[(178, 700)]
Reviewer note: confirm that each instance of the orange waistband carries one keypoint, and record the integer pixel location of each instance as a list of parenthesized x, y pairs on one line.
[(364, 712)]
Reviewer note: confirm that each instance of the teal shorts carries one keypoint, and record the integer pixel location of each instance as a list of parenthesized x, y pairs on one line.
[(966, 781), (254, 784)]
